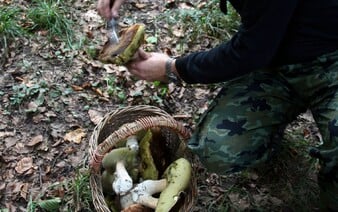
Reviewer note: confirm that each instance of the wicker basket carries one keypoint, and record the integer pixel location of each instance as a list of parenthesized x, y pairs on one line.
[(122, 123)]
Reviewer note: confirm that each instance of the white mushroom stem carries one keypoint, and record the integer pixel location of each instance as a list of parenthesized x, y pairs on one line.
[(122, 182), (142, 193), (132, 143)]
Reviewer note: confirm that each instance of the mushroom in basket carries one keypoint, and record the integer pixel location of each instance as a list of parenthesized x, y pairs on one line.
[(117, 162), (175, 180)]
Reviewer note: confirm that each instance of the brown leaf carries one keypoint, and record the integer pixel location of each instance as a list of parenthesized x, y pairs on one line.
[(95, 116), (98, 91), (75, 135), (140, 6), (24, 165), (69, 150), (24, 190), (21, 148), (86, 85), (6, 134), (43, 32), (77, 88), (32, 106), (2, 186), (11, 141), (35, 140)]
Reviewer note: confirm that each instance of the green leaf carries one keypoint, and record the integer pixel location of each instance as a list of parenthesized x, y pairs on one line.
[(50, 204), (152, 40)]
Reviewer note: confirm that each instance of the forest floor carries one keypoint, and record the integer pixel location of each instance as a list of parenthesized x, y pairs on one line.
[(52, 97)]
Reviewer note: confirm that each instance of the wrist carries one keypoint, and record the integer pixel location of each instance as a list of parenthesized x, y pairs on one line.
[(171, 72)]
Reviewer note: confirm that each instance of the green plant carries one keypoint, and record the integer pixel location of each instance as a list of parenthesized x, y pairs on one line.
[(77, 195), (82, 197), (208, 21), (162, 88), (9, 28), (54, 17), (49, 205), (113, 89), (22, 92)]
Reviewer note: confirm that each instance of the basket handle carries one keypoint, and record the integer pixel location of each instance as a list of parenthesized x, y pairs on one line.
[(132, 128)]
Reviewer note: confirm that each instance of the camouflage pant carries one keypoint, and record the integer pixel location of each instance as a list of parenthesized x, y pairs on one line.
[(242, 124)]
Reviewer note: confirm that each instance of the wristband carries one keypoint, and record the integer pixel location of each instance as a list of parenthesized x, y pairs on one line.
[(171, 76)]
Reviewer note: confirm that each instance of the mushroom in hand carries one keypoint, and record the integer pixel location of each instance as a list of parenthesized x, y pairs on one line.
[(122, 52)]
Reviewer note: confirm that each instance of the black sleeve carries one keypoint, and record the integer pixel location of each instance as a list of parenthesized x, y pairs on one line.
[(264, 24)]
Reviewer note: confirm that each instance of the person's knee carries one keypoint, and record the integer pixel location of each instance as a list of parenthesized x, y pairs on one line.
[(224, 160)]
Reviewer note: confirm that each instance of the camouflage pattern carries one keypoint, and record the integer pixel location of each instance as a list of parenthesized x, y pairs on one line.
[(245, 121)]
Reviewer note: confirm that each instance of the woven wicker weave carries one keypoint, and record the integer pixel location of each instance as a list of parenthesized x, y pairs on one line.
[(122, 123)]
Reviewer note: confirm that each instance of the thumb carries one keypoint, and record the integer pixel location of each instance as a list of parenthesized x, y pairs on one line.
[(143, 55)]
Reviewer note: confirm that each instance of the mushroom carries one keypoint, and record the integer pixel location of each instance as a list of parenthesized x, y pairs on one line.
[(148, 170), (178, 175), (117, 161), (122, 181), (122, 52), (176, 180), (107, 180), (142, 193), (132, 143), (137, 208)]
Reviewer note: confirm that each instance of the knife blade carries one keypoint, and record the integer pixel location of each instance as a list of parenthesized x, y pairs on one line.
[(112, 28)]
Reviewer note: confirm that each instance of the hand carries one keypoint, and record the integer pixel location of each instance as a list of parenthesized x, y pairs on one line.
[(109, 9), (149, 66)]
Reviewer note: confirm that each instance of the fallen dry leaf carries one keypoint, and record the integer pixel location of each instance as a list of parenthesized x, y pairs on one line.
[(24, 190), (98, 91), (77, 88), (75, 135), (24, 165), (6, 134), (35, 140)]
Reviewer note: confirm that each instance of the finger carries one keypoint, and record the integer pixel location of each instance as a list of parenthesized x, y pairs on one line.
[(114, 13), (116, 7), (143, 55), (104, 9), (134, 73)]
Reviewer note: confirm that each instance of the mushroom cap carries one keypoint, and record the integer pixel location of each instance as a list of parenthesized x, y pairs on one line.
[(148, 168), (122, 52), (125, 154), (178, 175), (107, 181), (137, 208)]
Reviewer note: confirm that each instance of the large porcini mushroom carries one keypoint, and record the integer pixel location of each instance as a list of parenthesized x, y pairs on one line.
[(142, 193), (178, 176), (118, 161), (122, 52)]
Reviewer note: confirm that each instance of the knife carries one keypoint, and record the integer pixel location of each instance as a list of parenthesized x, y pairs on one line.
[(112, 27)]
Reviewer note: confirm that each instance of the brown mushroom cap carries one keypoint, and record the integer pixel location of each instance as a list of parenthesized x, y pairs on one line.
[(122, 52)]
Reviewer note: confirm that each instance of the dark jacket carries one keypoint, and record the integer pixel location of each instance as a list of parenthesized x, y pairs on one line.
[(272, 33)]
